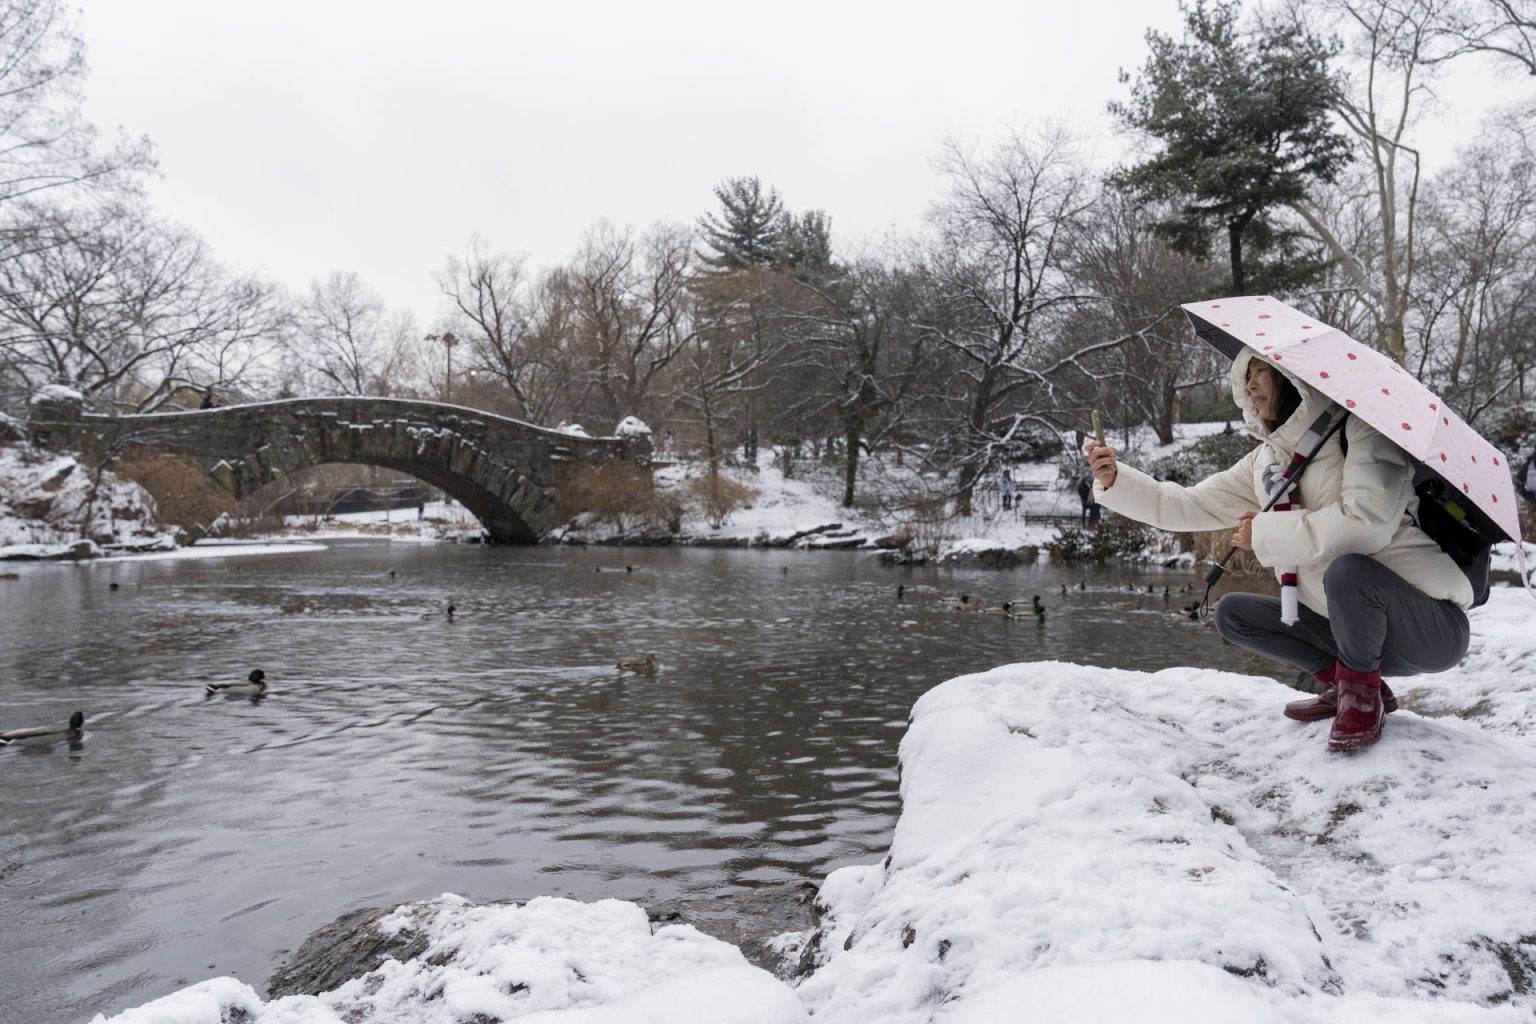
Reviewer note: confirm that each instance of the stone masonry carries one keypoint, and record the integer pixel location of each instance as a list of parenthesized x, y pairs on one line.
[(503, 470)]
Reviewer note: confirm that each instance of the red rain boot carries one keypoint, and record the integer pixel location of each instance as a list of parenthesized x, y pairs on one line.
[(1326, 704), (1358, 722)]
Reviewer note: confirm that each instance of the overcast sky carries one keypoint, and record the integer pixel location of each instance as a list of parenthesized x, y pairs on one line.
[(301, 138)]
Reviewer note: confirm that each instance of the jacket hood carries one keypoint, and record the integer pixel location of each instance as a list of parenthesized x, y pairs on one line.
[(1287, 434)]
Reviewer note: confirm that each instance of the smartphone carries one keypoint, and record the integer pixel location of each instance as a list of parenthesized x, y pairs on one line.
[(1098, 427)]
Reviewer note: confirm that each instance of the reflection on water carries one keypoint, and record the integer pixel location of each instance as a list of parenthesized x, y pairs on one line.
[(399, 756)]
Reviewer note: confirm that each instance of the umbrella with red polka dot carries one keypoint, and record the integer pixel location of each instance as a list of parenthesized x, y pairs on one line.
[(1374, 388)]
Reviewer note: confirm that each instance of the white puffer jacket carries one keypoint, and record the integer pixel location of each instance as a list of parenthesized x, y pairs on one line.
[(1361, 503)]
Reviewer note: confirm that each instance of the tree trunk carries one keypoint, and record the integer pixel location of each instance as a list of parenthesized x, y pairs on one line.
[(1235, 254), (850, 464), (1167, 415)]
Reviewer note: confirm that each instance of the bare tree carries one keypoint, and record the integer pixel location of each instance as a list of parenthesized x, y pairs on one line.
[(999, 258), (1394, 50), (1478, 279), (632, 309), (721, 367), (519, 329), (45, 143), (1141, 281), (127, 310), (344, 339), (1505, 29), (860, 353)]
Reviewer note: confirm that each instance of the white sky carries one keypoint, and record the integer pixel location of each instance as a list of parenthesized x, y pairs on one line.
[(301, 138)]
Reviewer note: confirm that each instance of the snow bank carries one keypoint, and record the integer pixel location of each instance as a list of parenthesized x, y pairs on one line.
[(549, 960), (1166, 847)]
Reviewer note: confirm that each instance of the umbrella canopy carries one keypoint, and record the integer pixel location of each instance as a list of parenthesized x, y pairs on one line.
[(1374, 388)]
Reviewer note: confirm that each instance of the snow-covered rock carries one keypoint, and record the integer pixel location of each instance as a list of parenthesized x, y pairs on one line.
[(547, 961), (574, 429), (631, 426), (50, 499)]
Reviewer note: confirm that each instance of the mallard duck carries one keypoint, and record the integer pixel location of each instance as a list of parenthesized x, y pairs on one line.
[(254, 686), (1192, 611), (645, 666), (44, 734), (901, 590), (445, 613), (1063, 590), (964, 604)]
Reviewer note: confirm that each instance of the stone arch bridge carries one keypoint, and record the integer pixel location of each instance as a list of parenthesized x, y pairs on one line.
[(503, 470)]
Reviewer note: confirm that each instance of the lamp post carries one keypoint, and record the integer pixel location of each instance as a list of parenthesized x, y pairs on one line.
[(1520, 356), (471, 400), (448, 341)]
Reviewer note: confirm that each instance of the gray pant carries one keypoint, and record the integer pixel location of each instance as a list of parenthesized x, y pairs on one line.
[(1379, 620)]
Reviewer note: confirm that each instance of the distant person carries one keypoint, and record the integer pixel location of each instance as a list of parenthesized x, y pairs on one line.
[(1006, 485), (1528, 478), (1085, 495), (666, 443), (207, 402), (421, 511)]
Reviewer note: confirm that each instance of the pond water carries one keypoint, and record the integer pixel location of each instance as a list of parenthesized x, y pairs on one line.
[(499, 756)]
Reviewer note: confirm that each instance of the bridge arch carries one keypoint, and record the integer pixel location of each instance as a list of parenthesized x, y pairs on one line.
[(505, 471)]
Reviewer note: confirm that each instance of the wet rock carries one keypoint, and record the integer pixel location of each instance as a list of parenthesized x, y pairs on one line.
[(347, 948), (750, 921), (352, 945), (992, 558), (656, 538), (720, 542)]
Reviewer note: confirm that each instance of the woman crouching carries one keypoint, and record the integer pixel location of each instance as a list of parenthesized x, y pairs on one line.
[(1376, 595)]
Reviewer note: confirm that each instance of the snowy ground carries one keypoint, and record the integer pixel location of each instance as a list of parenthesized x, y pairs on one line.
[(1090, 844)]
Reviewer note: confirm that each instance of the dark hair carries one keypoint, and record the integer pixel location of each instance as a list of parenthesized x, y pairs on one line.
[(1287, 398)]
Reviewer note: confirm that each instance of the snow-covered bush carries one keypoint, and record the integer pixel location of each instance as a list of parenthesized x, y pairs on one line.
[(1115, 536), (631, 426), (1196, 461)]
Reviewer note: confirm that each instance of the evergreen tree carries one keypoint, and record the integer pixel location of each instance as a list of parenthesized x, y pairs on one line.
[(748, 231), (805, 245), (1245, 128)]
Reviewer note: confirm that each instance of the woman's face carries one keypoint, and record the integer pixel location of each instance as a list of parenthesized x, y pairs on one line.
[(1263, 390)]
